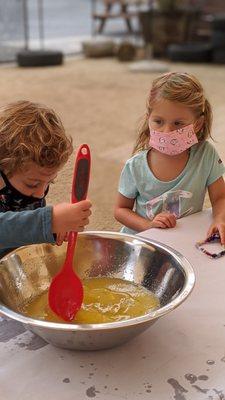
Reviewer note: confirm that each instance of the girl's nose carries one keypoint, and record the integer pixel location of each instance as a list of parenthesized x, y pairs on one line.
[(168, 128)]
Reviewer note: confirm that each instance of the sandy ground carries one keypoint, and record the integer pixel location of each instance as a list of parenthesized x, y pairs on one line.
[(100, 103)]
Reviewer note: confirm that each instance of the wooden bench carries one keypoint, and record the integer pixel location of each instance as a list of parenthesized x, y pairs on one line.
[(123, 12)]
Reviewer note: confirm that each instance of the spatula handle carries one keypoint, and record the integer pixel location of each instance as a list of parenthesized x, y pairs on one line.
[(81, 174), (80, 184)]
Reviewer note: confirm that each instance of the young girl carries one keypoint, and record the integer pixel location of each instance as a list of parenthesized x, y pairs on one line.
[(33, 148), (174, 163)]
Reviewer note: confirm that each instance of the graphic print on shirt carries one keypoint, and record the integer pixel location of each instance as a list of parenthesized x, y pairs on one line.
[(169, 202)]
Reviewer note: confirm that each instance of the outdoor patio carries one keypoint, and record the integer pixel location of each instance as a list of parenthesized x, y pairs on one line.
[(100, 102)]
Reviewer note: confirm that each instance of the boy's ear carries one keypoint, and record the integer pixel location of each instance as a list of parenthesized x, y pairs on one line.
[(199, 124)]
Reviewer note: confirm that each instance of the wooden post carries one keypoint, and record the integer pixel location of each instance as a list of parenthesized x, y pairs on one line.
[(41, 23), (26, 25)]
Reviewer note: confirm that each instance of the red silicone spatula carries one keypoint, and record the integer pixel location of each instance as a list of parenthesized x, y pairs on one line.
[(65, 294)]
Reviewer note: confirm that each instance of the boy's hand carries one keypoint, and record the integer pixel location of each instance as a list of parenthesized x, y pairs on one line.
[(68, 217), (61, 237), (164, 220)]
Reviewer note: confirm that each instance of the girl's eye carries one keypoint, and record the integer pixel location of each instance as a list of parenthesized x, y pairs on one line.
[(158, 121), (178, 123)]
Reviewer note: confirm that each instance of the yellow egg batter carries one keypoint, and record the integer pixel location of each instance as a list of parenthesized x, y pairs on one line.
[(105, 300)]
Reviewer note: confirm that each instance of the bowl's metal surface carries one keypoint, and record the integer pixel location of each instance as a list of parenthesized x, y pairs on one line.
[(27, 272)]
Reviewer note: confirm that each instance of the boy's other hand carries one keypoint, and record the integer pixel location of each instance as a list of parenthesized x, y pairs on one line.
[(68, 217)]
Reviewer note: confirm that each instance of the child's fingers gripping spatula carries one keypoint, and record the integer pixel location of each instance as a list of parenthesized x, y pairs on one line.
[(66, 291)]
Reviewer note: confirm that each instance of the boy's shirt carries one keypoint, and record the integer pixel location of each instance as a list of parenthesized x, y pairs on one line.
[(23, 219)]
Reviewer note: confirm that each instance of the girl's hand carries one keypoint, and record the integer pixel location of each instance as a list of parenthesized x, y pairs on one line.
[(164, 220), (68, 217), (217, 197), (217, 226)]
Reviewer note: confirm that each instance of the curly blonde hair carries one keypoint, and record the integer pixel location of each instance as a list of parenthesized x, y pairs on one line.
[(31, 132), (179, 87)]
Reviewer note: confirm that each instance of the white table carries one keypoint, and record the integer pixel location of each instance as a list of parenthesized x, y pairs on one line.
[(181, 357)]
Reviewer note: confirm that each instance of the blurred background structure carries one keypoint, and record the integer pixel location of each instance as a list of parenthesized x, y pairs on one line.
[(65, 24), (12, 30)]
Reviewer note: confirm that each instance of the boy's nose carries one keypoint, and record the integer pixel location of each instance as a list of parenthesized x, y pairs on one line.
[(40, 192)]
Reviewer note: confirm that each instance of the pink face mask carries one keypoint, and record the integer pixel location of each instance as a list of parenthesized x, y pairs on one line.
[(174, 142)]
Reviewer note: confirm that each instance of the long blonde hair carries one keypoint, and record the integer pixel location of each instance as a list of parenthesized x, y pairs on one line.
[(182, 88)]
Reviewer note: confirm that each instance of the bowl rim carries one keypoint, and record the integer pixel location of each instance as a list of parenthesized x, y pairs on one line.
[(153, 315)]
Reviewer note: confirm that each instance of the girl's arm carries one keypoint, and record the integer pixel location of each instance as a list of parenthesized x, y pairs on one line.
[(217, 198), (125, 215)]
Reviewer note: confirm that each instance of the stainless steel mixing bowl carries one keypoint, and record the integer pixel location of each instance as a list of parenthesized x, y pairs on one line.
[(27, 272)]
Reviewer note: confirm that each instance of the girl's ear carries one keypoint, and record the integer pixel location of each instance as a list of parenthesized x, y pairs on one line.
[(199, 124)]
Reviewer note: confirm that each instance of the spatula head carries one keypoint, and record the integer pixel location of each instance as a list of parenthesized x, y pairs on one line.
[(65, 295)]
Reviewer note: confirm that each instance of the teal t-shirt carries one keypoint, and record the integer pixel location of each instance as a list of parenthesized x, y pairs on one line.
[(182, 196)]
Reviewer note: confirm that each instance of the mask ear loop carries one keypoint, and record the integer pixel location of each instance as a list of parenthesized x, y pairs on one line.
[(215, 237)]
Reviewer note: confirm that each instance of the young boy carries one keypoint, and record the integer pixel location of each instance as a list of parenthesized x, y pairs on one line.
[(33, 148)]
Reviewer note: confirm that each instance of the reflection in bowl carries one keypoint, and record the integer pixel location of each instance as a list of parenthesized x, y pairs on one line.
[(26, 273)]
